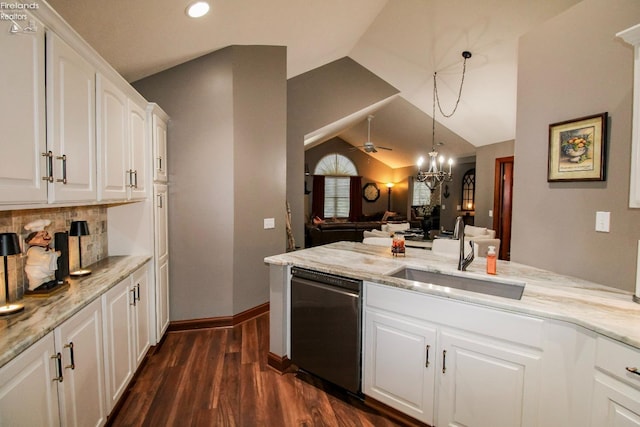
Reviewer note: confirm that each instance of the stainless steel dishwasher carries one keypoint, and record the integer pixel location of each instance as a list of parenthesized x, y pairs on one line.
[(326, 330)]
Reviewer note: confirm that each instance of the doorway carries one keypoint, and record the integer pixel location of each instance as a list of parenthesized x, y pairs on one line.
[(502, 204)]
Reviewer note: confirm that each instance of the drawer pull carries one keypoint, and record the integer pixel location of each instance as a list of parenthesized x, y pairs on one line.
[(426, 364), (633, 370), (58, 357), (73, 363), (444, 361), (64, 168), (49, 156)]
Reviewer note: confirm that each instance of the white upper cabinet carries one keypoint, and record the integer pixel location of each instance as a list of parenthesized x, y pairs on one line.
[(159, 133), (22, 118), (113, 144), (122, 144), (70, 123), (139, 154)]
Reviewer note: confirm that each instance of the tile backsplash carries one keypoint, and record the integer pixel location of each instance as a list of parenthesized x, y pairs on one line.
[(94, 246)]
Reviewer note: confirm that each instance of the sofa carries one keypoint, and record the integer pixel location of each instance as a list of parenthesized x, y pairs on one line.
[(329, 232)]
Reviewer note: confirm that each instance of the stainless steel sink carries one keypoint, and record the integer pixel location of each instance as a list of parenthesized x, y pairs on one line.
[(503, 288)]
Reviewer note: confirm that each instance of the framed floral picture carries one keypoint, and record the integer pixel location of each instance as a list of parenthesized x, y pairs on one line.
[(577, 149)]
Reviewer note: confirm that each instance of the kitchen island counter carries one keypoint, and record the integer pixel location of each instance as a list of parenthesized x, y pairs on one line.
[(602, 309)]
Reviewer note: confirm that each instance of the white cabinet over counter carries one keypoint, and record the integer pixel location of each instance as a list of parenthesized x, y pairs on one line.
[(71, 141), (22, 119)]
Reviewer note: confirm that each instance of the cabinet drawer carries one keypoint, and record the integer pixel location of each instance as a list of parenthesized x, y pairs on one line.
[(614, 357), (490, 322)]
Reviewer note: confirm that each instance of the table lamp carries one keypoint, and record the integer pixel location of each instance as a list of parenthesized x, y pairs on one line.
[(9, 245), (78, 229)]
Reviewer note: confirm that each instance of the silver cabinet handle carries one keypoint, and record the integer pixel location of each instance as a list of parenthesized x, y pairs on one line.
[(444, 361), (138, 291), (58, 357), (160, 201), (49, 156), (133, 294), (73, 363), (160, 163), (64, 168), (135, 181), (426, 363), (633, 370)]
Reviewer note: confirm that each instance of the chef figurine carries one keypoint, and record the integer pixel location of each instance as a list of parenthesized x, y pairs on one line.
[(42, 261)]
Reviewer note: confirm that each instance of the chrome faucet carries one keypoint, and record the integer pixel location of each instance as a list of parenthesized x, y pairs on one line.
[(463, 262)]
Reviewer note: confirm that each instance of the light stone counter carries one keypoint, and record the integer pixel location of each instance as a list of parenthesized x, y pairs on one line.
[(605, 310), (43, 315)]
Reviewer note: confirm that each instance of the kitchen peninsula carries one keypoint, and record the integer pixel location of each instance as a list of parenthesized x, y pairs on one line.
[(557, 356)]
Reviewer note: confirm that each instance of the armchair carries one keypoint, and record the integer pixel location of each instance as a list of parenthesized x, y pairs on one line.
[(483, 238)]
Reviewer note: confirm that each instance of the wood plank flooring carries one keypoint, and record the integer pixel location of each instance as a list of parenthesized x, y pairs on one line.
[(220, 377)]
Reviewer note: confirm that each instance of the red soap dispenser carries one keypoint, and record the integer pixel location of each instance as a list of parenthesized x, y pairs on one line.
[(491, 260)]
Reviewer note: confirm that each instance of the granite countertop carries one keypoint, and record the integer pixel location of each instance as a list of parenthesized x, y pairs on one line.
[(42, 315), (602, 309)]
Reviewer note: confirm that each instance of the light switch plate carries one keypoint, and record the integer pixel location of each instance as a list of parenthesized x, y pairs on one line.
[(490, 213), (269, 223), (602, 221)]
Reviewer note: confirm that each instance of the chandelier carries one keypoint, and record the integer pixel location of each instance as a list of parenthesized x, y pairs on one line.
[(436, 173)]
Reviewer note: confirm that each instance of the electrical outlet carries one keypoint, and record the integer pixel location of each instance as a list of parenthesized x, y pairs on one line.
[(602, 221), (269, 223), (490, 213)]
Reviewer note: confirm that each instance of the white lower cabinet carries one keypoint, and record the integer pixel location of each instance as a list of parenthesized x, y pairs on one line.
[(59, 380), (81, 392), (616, 385), (449, 363), (486, 383), (28, 392), (126, 332), (409, 347)]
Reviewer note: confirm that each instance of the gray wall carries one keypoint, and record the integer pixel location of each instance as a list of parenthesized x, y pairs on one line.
[(226, 148), (318, 98), (573, 66), (485, 175)]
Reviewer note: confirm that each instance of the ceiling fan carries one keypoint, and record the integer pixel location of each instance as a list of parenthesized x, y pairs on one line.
[(370, 147)]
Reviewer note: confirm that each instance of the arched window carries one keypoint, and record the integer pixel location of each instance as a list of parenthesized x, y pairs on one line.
[(336, 165), (337, 170)]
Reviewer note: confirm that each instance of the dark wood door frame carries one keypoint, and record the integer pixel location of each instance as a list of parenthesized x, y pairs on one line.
[(502, 204)]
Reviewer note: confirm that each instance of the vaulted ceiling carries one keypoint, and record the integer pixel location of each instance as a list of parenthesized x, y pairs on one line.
[(402, 41)]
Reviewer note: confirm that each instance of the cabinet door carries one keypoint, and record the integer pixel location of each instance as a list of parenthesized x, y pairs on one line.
[(139, 153), (28, 392), (140, 287), (118, 339), (161, 259), (486, 384), (22, 118), (615, 404), (399, 364), (162, 297), (160, 149), (82, 393), (70, 123), (113, 143)]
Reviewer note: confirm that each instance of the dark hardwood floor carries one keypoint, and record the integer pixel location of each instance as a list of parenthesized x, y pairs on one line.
[(220, 377)]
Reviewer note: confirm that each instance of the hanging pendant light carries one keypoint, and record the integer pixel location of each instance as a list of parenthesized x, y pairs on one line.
[(436, 173)]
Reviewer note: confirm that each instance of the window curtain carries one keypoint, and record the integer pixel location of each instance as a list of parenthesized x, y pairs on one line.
[(355, 198), (317, 197)]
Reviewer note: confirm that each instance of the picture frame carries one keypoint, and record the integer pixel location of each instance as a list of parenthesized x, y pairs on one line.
[(577, 149)]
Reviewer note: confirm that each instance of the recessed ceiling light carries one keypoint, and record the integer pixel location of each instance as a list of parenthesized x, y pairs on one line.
[(197, 9)]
